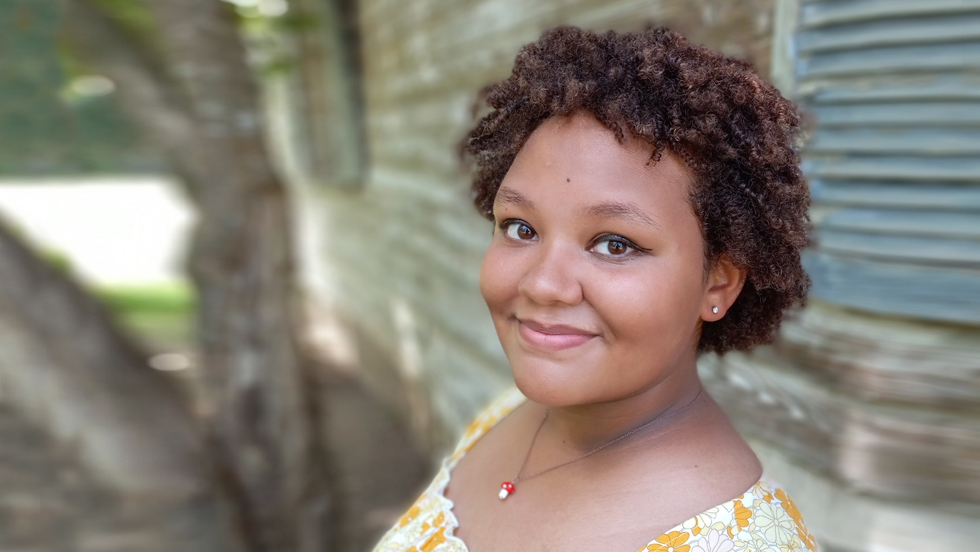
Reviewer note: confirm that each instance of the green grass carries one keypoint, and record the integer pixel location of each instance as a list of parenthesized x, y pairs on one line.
[(157, 299), (159, 315)]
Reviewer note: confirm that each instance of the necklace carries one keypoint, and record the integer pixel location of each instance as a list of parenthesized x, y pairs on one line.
[(507, 488)]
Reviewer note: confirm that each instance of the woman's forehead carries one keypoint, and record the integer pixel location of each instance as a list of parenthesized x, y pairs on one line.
[(576, 155)]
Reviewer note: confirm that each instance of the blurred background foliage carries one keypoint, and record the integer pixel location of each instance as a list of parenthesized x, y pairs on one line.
[(56, 117)]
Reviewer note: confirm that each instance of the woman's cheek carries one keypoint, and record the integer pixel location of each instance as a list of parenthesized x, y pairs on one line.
[(645, 306), (622, 302), (497, 282)]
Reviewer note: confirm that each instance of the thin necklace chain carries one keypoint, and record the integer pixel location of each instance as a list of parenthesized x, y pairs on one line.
[(658, 418)]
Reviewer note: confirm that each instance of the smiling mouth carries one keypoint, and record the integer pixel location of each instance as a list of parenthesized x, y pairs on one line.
[(552, 337)]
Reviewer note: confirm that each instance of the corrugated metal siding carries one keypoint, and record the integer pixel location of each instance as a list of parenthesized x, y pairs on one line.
[(894, 162)]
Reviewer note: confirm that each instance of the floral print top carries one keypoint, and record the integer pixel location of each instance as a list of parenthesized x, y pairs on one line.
[(763, 519)]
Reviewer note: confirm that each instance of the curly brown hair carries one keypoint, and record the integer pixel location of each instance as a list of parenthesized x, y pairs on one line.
[(734, 130)]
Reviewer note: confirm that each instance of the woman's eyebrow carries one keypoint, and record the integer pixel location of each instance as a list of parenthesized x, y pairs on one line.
[(513, 197), (627, 211)]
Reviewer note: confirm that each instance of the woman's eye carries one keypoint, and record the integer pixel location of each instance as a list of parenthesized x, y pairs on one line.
[(519, 231), (613, 247)]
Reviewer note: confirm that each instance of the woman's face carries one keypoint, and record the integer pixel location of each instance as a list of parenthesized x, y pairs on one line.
[(594, 277)]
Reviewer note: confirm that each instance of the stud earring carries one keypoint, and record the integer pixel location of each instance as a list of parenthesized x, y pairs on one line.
[(714, 310)]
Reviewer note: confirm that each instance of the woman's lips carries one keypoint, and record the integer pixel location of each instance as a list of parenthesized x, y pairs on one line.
[(552, 338)]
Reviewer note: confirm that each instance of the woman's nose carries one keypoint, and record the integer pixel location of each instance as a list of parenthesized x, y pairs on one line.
[(552, 277)]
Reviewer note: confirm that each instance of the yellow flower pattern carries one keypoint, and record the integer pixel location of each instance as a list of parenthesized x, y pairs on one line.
[(670, 542), (764, 519)]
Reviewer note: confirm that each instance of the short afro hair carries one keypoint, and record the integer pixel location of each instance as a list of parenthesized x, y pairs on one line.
[(733, 129)]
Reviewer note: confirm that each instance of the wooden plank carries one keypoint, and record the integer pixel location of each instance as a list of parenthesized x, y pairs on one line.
[(884, 359), (886, 449), (876, 33), (901, 114), (907, 222), (899, 168), (868, 61), (919, 250), (937, 88), (934, 196), (932, 140), (927, 293), (824, 13)]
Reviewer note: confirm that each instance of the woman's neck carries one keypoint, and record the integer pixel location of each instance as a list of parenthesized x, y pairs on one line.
[(582, 428)]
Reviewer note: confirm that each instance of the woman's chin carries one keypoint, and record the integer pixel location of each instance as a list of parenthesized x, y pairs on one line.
[(541, 384)]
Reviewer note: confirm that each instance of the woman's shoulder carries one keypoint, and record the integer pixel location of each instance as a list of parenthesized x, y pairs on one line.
[(503, 405), (764, 518), (429, 522)]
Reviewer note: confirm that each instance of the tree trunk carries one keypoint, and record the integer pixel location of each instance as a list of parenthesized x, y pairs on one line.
[(67, 369), (203, 109)]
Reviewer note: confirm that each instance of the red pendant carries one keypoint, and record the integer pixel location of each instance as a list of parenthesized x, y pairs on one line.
[(506, 489)]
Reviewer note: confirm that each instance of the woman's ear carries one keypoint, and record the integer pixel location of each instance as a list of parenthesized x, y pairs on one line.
[(725, 282)]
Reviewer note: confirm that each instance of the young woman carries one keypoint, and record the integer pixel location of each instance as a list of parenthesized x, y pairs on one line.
[(648, 207)]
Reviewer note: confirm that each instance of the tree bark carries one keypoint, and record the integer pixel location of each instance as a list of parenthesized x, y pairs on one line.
[(203, 109)]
